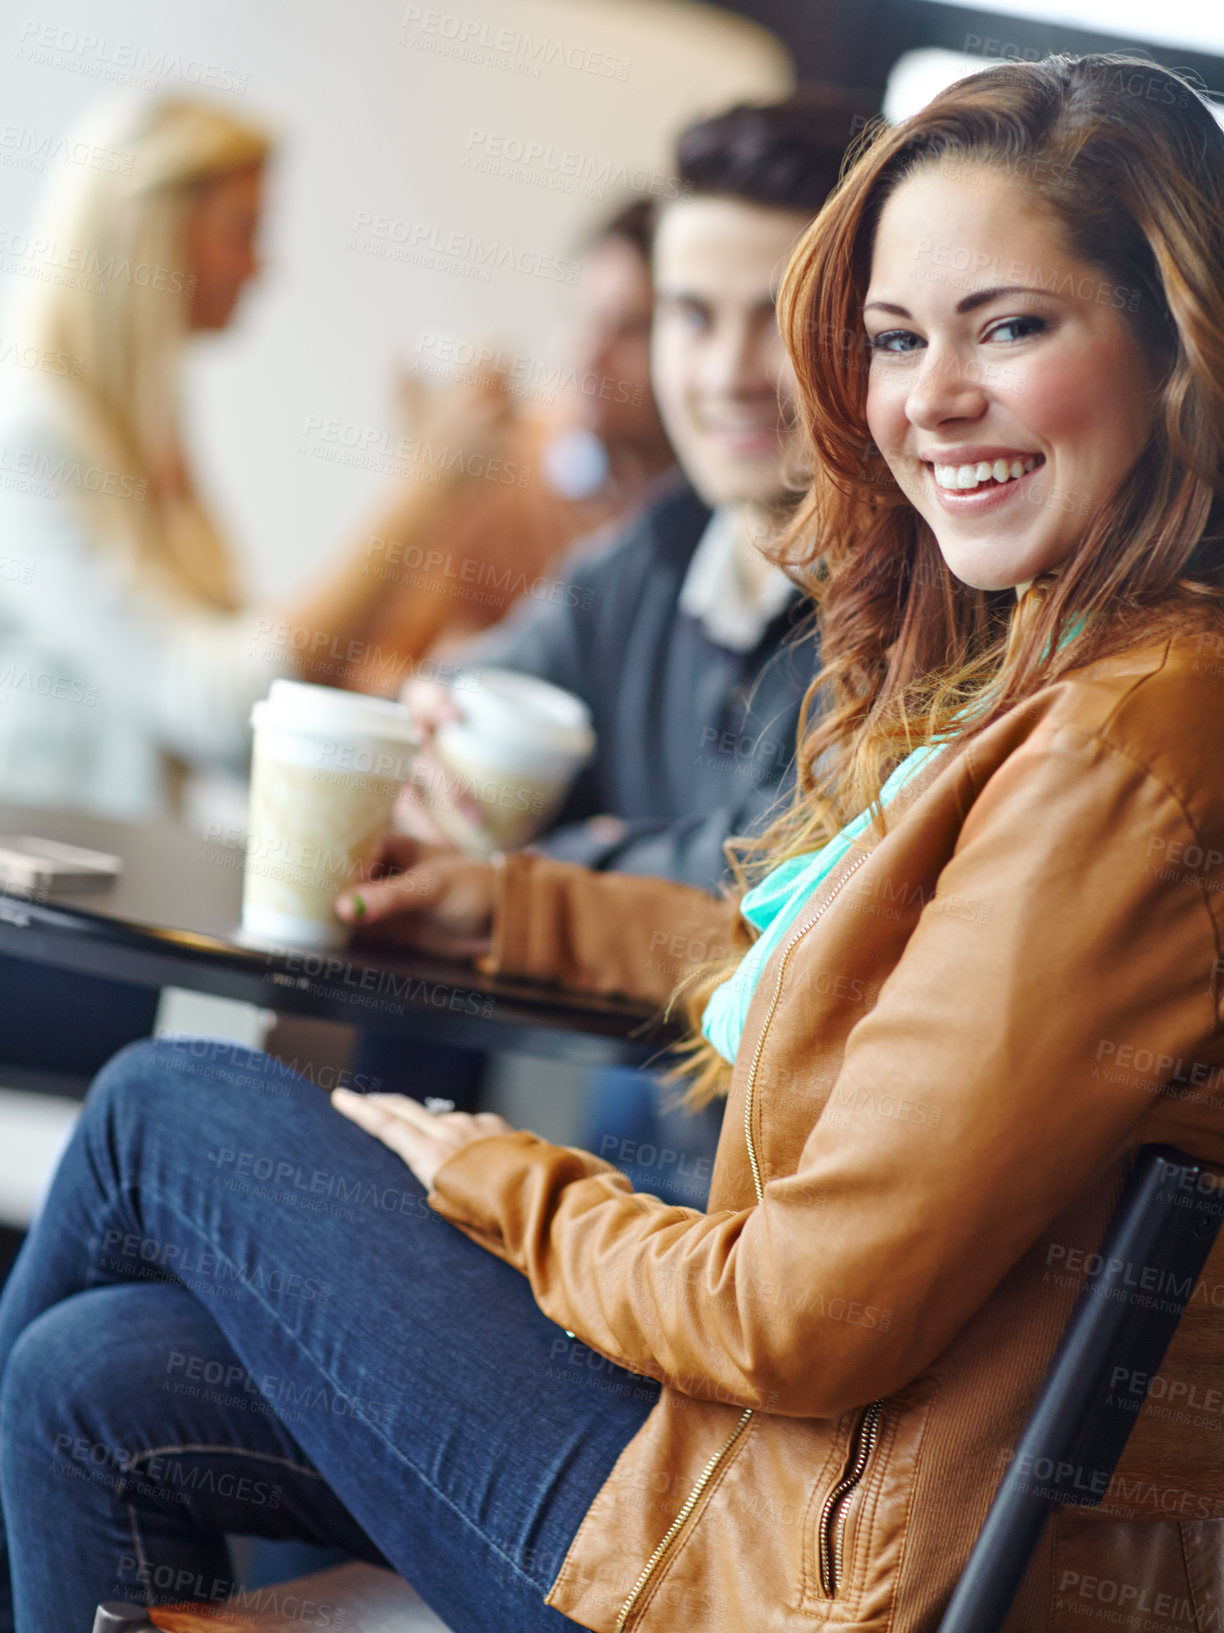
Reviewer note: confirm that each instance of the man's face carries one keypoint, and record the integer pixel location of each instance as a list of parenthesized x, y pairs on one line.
[(607, 345), (722, 379)]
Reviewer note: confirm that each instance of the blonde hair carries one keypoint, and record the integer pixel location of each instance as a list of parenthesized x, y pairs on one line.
[(113, 301), (1131, 161)]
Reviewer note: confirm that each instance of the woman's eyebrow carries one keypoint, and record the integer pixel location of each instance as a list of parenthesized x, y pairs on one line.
[(979, 297)]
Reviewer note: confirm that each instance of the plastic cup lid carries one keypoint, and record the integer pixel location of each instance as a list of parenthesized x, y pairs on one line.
[(521, 710), (330, 711)]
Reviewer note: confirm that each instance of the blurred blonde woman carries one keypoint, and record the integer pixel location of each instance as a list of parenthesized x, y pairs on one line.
[(126, 655)]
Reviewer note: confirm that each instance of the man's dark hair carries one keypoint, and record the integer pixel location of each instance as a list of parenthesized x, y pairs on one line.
[(634, 222), (786, 155)]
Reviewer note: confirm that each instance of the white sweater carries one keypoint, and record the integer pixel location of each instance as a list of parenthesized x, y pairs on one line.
[(101, 680)]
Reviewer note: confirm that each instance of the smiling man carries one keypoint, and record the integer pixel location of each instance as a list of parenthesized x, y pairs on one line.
[(675, 634)]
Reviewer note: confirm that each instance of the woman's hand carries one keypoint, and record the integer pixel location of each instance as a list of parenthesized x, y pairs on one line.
[(423, 1139), (439, 901)]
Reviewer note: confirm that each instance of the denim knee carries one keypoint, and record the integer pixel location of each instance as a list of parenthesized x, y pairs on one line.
[(39, 1391), (158, 1069), (137, 1068)]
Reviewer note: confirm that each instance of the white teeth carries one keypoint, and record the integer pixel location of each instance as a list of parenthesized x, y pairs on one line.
[(965, 477)]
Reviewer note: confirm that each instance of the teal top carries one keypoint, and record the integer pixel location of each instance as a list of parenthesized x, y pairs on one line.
[(773, 905)]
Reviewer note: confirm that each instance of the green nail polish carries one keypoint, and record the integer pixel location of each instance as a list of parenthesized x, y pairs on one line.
[(358, 906)]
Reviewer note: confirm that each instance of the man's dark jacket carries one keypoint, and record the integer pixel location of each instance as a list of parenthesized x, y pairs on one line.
[(695, 742)]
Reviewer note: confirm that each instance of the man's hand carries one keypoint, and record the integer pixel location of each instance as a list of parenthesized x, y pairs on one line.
[(423, 1139), (440, 901), (471, 422), (431, 705)]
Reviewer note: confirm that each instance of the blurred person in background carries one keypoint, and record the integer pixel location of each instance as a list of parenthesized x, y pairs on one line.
[(679, 634), (127, 656), (127, 660), (584, 461)]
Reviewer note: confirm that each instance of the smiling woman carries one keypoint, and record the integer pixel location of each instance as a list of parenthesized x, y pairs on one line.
[(1024, 272)]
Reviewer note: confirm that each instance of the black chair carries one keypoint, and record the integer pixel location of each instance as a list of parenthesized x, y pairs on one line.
[(1167, 1221)]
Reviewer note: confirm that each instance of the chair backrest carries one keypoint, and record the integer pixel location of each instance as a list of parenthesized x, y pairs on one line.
[(1160, 1235)]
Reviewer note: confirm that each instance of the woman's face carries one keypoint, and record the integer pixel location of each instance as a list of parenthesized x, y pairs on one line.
[(1007, 391), (221, 232)]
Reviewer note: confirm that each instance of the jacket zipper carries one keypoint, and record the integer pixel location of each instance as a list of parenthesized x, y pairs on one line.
[(690, 1503), (833, 1514), (794, 941), (832, 1527), (703, 1479)]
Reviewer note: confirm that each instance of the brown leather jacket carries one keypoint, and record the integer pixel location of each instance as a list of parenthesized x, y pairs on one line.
[(945, 1069)]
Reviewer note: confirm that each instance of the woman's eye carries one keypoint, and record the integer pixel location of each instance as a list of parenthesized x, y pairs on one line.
[(896, 341), (1016, 328)]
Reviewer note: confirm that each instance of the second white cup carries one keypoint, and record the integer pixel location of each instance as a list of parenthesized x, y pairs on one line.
[(514, 752)]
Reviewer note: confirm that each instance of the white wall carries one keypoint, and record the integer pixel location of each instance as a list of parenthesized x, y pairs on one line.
[(377, 113)]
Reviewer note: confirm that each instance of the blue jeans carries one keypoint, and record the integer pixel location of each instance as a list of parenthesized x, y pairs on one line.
[(237, 1314)]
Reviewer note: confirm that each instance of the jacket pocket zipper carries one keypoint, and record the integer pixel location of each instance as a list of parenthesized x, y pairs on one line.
[(706, 1474), (690, 1503), (831, 1529)]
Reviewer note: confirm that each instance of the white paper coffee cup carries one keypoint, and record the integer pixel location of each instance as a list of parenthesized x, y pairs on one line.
[(515, 752), (325, 771)]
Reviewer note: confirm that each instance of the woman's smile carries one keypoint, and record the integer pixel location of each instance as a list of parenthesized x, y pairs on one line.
[(978, 482)]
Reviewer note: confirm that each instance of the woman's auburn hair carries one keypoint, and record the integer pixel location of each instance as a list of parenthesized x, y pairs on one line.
[(1130, 160)]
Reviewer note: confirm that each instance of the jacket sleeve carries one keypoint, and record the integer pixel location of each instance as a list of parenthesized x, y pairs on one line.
[(689, 850), (1010, 1028), (603, 932)]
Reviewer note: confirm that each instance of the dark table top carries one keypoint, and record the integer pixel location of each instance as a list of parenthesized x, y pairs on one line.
[(172, 920)]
